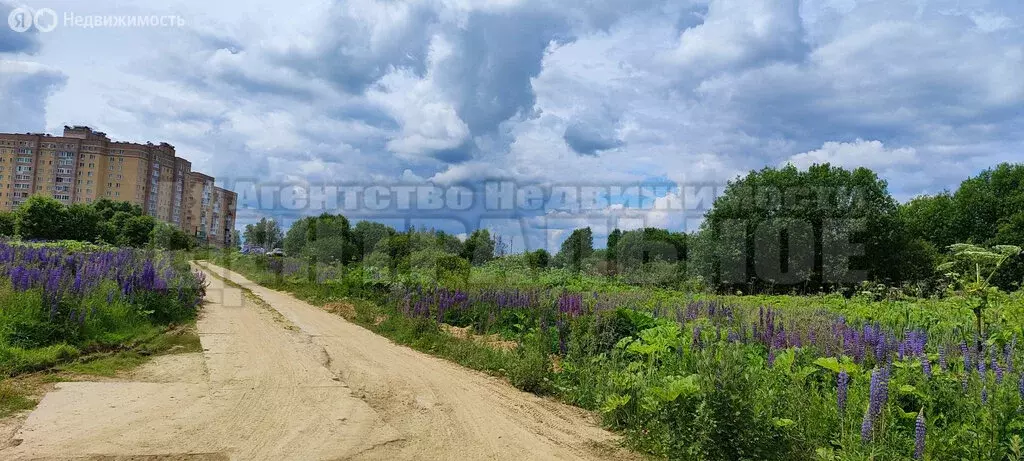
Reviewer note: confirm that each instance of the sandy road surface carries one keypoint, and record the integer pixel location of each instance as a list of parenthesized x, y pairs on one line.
[(295, 382)]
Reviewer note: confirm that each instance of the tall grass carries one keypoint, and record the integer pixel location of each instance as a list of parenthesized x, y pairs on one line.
[(58, 301), (692, 376)]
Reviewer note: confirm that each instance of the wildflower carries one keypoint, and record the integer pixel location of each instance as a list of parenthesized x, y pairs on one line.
[(866, 426), (878, 397), (879, 392), (919, 436), (926, 366), (843, 382)]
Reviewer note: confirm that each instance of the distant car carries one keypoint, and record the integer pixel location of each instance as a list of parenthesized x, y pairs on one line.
[(275, 252)]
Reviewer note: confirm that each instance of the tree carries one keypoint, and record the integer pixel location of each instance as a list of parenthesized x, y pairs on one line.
[(108, 208), (538, 259), (367, 234), (448, 243), (8, 223), (42, 218), (790, 228), (644, 246), (236, 239), (136, 231), (266, 234), (397, 249), (327, 238), (82, 223), (167, 237), (932, 219), (985, 210), (295, 238), (479, 247), (576, 248), (613, 242)]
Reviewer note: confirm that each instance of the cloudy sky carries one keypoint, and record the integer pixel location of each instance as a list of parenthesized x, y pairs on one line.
[(925, 92)]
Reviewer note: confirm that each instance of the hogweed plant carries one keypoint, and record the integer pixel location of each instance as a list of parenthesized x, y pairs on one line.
[(971, 272)]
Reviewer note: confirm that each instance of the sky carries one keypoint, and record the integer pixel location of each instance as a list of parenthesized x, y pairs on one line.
[(305, 96)]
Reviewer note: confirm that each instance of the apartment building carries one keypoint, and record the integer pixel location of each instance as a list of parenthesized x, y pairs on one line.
[(199, 205), (84, 165)]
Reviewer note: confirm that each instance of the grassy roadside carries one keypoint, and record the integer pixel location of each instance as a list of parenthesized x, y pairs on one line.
[(22, 392)]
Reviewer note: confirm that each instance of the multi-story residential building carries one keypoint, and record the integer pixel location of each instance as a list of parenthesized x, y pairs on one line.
[(199, 205), (84, 165), (228, 205), (182, 168)]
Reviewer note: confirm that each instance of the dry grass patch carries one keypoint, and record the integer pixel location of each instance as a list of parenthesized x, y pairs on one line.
[(493, 341)]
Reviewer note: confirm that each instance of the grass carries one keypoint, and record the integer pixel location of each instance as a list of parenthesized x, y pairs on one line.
[(19, 393), (107, 366), (13, 398), (686, 390)]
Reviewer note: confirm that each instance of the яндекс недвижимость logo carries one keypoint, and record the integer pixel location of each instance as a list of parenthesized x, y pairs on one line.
[(22, 19)]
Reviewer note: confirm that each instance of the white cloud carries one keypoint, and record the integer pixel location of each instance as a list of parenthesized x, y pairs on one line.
[(741, 32), (452, 91), (871, 154), (429, 122)]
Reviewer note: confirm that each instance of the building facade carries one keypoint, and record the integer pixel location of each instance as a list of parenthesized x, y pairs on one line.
[(83, 166)]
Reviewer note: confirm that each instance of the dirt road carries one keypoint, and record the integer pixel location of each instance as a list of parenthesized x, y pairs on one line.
[(287, 380)]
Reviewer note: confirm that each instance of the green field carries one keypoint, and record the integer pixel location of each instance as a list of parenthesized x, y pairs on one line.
[(689, 375)]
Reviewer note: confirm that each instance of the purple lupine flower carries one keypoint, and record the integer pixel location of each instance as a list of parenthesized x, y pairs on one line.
[(942, 358), (843, 384), (879, 395), (880, 389), (1008, 353), (966, 355), (919, 436), (926, 366), (998, 370), (866, 427)]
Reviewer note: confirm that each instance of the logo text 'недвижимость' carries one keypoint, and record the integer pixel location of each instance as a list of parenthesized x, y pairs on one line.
[(23, 19)]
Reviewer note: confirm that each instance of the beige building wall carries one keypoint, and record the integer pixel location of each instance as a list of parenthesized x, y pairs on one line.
[(229, 204), (92, 161), (200, 205), (182, 168), (56, 160), (125, 177), (84, 166), (160, 187), (18, 159)]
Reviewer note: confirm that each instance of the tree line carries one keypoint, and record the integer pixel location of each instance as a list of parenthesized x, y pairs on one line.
[(773, 230), (103, 221)]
